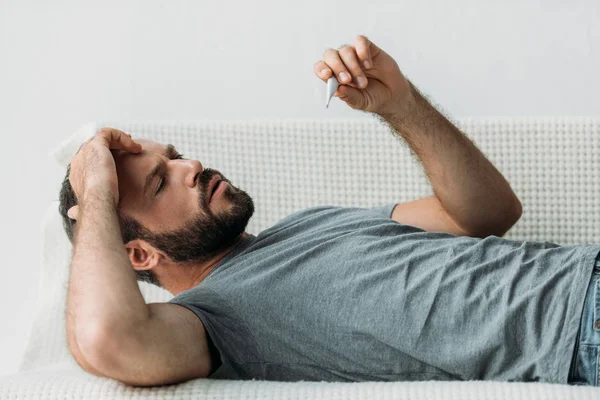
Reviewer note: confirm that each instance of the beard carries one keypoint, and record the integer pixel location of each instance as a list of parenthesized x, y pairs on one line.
[(208, 234)]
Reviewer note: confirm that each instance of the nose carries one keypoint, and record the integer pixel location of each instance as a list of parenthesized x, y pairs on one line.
[(194, 167)]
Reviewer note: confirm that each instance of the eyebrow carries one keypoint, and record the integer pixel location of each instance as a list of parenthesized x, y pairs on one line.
[(169, 152)]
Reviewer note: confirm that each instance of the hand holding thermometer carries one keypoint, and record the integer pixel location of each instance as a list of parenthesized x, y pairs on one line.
[(364, 77), (332, 85)]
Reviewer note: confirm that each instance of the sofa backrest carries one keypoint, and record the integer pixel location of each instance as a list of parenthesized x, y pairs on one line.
[(552, 164)]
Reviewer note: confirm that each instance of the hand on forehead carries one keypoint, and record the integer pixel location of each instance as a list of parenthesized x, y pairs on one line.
[(148, 147), (133, 168)]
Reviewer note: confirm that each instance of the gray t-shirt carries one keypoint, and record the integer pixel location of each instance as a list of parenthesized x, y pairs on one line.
[(348, 294)]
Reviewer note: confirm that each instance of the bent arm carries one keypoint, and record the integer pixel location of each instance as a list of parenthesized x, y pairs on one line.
[(170, 347), (103, 293), (471, 190)]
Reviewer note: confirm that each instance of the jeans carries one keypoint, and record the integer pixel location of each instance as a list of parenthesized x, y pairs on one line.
[(585, 364)]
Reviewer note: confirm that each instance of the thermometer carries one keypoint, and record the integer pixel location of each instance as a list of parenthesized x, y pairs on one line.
[(332, 85)]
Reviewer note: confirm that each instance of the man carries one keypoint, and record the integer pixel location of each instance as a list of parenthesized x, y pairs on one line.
[(424, 290)]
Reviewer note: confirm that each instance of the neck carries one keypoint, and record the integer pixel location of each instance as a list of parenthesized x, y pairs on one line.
[(177, 278)]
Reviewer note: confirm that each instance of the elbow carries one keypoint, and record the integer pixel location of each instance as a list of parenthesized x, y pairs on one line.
[(509, 218), (77, 354), (513, 213), (518, 211), (502, 223), (105, 354), (96, 351)]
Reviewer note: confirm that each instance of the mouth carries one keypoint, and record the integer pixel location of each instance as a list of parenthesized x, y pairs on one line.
[(212, 187)]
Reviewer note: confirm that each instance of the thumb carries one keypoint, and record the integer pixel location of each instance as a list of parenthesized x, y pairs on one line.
[(352, 96)]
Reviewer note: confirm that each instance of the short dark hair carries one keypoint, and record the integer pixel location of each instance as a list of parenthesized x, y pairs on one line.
[(130, 228)]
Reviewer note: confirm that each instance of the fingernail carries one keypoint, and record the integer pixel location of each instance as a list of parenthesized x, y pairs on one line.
[(367, 64), (361, 81), (343, 76), (324, 71)]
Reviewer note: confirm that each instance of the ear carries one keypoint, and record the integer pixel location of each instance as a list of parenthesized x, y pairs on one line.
[(142, 255)]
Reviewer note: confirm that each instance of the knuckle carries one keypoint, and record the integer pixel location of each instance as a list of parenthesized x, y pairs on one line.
[(329, 52), (103, 131), (356, 72), (346, 49)]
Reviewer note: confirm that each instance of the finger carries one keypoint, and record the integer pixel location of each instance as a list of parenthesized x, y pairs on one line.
[(333, 61), (373, 51), (355, 98), (73, 212), (322, 70), (119, 140), (361, 43), (348, 55)]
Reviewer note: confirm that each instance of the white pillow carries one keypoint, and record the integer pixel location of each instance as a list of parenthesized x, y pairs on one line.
[(64, 152)]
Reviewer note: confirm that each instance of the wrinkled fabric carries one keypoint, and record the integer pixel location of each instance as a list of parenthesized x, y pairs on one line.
[(348, 294)]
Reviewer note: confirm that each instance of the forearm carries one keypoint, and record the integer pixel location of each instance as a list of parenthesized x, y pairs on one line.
[(471, 190), (103, 292)]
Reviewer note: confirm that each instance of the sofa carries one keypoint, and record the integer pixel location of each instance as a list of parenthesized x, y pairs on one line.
[(552, 163)]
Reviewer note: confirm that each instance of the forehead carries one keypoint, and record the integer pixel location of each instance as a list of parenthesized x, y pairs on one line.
[(151, 145), (149, 148), (132, 168)]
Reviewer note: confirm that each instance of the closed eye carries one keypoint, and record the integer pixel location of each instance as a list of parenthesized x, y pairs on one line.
[(163, 181)]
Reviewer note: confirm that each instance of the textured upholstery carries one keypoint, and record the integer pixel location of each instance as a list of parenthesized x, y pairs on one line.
[(286, 165)]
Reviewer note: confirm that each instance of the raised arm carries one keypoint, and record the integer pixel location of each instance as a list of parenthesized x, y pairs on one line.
[(470, 195), (473, 194)]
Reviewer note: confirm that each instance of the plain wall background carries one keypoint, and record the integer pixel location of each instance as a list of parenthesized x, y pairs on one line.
[(65, 63)]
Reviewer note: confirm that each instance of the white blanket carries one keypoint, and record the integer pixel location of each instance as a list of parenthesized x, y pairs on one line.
[(553, 164)]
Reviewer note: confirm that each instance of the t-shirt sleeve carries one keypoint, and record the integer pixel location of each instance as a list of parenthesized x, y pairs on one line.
[(384, 210)]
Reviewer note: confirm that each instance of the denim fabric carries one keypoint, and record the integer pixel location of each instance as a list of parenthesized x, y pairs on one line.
[(585, 363)]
